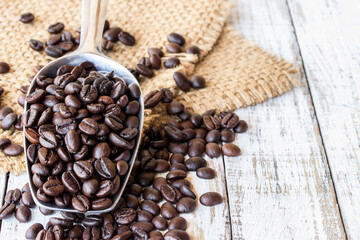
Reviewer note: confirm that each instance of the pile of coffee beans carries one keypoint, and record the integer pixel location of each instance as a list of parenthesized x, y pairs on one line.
[(81, 127)]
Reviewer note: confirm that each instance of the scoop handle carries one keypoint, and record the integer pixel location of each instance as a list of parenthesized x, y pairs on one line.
[(92, 25)]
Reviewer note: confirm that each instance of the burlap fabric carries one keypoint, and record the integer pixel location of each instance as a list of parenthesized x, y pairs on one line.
[(238, 73)]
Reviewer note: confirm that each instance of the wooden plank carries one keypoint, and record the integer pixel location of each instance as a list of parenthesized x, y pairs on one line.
[(328, 33), (3, 180), (204, 223), (280, 188)]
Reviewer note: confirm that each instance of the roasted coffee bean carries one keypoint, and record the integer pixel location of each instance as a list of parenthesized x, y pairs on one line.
[(104, 189), (4, 142), (105, 167), (40, 169), (13, 150), (176, 174), (23, 214), (241, 127), (196, 149), (161, 166), (193, 50), (186, 191), (126, 38), (72, 216), (173, 48), (55, 39), (72, 141), (178, 223), (33, 230), (45, 211), (150, 206), (156, 51), (89, 126), (212, 150), (211, 199), (88, 93), (176, 38), (8, 121), (176, 234), (211, 122), (54, 51), (25, 188), (4, 67), (41, 195), (135, 189), (112, 34), (144, 216), (27, 200), (167, 95), (169, 193), (107, 231), (113, 122), (230, 150), (66, 46), (230, 120), (197, 82), (48, 140), (93, 221), (168, 211), (182, 81), (152, 194), (160, 223), (145, 179), (36, 44), (26, 17), (53, 188), (145, 71), (132, 108), (12, 196), (5, 111), (90, 187), (186, 205), (7, 210), (175, 107), (131, 201), (205, 173), (70, 182), (125, 215), (58, 232), (122, 167), (80, 203), (227, 136), (45, 235), (101, 203), (179, 182), (56, 28), (177, 158), (213, 136), (143, 226), (83, 169), (155, 61), (193, 163), (134, 91), (153, 98)]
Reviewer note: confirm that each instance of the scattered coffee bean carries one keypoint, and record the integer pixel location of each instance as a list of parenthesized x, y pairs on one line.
[(171, 62), (211, 199), (23, 214), (173, 48), (26, 17), (36, 44), (241, 127), (112, 34), (176, 38), (182, 81), (13, 150), (205, 173), (126, 38), (230, 150), (56, 28), (33, 230), (193, 50), (4, 67), (197, 82)]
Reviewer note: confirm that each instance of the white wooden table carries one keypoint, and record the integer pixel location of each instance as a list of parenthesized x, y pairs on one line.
[(299, 175)]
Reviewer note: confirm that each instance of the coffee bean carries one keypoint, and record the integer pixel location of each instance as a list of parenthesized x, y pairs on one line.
[(227, 136), (160, 223), (36, 44), (91, 233), (55, 39), (145, 71), (45, 235), (193, 163), (53, 188), (23, 214), (155, 61), (54, 51), (176, 38), (93, 221), (196, 149), (61, 222), (213, 136), (181, 81), (176, 174), (176, 234), (105, 167), (126, 38), (112, 34), (7, 210), (25, 188), (26, 17), (56, 28), (8, 121), (33, 230), (156, 51), (72, 141), (205, 173), (48, 140), (211, 199), (83, 169), (150, 206), (13, 150), (80, 203), (125, 215), (186, 191), (173, 48), (101, 203), (212, 150), (230, 150), (241, 127), (65, 46), (211, 122), (143, 226), (178, 223), (175, 107), (5, 111), (107, 231), (230, 120), (4, 142), (169, 193), (58, 232), (197, 82), (4, 67), (193, 50), (70, 182), (186, 205)]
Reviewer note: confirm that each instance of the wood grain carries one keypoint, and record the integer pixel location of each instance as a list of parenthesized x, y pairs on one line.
[(280, 188), (328, 33)]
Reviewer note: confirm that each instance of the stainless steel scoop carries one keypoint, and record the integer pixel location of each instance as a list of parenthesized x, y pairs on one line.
[(92, 24)]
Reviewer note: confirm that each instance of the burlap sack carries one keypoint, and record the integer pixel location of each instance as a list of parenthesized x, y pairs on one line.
[(238, 73)]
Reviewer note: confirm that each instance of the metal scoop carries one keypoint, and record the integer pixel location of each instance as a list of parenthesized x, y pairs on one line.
[(92, 24)]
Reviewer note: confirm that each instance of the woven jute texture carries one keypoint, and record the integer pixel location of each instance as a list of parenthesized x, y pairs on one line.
[(238, 73)]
